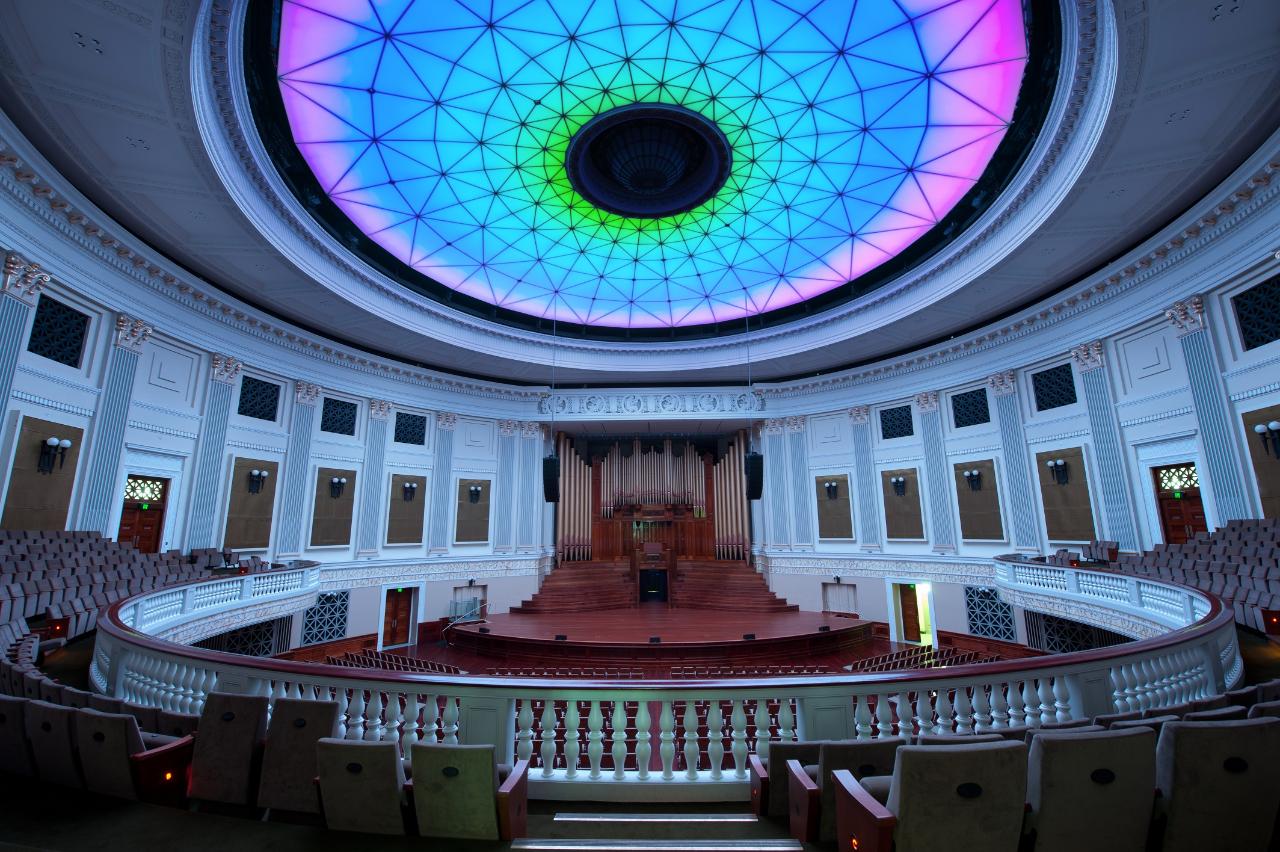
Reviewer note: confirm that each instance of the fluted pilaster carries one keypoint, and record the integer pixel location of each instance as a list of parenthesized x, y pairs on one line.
[(864, 477), (942, 527), (1117, 508), (19, 289), (210, 451), (802, 508), (297, 466), (1019, 477), (373, 497), (442, 496)]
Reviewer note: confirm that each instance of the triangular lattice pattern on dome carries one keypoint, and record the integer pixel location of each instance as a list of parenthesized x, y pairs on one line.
[(439, 127)]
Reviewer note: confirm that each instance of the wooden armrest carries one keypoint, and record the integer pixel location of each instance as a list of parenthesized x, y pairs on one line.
[(161, 775), (803, 804), (513, 799), (862, 823), (759, 785)]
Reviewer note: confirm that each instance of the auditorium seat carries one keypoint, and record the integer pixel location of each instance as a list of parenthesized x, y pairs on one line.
[(49, 731), (108, 745), (965, 739), (1218, 714), (289, 758), (1155, 723), (770, 787), (173, 724), (1219, 784), (15, 749), (811, 796), (362, 786), (1078, 729), (1106, 720), (227, 745), (106, 703), (1091, 790), (1265, 709), (460, 791), (937, 795)]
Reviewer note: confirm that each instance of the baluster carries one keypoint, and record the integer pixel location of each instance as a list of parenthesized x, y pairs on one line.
[(644, 749), (548, 750), (355, 715), (922, 711), (1031, 702), (430, 715), (964, 710), (1017, 705), (277, 692), (666, 741), (168, 691), (595, 737), (1061, 699), (999, 707), (981, 708), (1047, 711), (373, 712), (186, 688), (942, 706), (344, 721), (1118, 701), (1132, 693), (762, 728), (395, 718), (861, 717), (690, 741), (409, 731), (884, 716), (1177, 685), (715, 739), (738, 723), (786, 721), (450, 718), (571, 744), (524, 730), (619, 739)]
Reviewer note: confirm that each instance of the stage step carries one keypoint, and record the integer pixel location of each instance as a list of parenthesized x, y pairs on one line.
[(729, 845)]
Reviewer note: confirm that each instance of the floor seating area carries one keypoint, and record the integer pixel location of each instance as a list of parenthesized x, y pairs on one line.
[(921, 657), (370, 659)]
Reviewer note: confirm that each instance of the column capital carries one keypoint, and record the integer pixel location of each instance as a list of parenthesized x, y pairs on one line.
[(796, 423), (225, 368), (131, 332), (22, 280), (860, 414), (1088, 356), (532, 429), (927, 401), (507, 428), (1187, 316), (446, 420), (772, 426), (379, 409), (305, 393), (1003, 384)]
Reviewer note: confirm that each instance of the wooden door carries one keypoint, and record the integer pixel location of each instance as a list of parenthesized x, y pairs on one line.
[(142, 516), (1178, 500), (910, 610), (397, 619)]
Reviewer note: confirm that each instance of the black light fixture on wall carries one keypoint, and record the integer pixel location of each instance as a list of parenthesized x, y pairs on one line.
[(974, 478), (473, 493), (336, 485), (833, 489), (256, 478), (53, 449), (409, 491), (1060, 469), (899, 484), (1269, 433)]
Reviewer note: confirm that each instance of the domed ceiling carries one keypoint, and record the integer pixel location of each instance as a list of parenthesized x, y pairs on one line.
[(650, 166)]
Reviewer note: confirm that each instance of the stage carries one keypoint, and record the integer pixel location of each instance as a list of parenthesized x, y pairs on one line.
[(689, 636)]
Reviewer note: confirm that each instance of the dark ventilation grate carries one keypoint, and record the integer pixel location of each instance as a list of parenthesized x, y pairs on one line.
[(896, 422), (258, 399), (988, 615), (970, 408), (410, 428), (265, 639), (58, 332), (1054, 387), (338, 417), (327, 620), (1258, 313), (1063, 636)]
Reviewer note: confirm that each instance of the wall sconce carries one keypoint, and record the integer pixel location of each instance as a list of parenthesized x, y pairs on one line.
[(471, 583), (336, 484), (256, 478), (1060, 471), (1268, 432), (974, 478), (473, 493), (52, 449), (833, 490), (410, 489), (899, 484), (837, 579)]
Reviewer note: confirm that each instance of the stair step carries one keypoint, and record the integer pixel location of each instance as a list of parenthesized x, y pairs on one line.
[(685, 818), (731, 845)]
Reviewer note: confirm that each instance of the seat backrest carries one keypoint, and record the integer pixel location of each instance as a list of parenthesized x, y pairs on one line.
[(231, 726), (105, 703), (1265, 709), (1032, 733), (1220, 782), (361, 785), (174, 724), (15, 752), (1217, 714), (957, 739), (975, 791), (106, 742), (862, 758), (454, 790), (49, 733), (1108, 776), (779, 753), (289, 758)]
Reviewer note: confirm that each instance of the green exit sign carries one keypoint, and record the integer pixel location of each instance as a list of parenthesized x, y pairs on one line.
[(1177, 495), (145, 506)]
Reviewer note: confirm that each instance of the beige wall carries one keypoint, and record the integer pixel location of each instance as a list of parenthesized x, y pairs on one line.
[(40, 501), (1266, 466)]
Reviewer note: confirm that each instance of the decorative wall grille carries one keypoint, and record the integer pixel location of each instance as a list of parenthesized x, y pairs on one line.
[(1063, 636), (988, 615), (410, 428), (264, 639), (896, 422), (970, 408), (1054, 388), (1258, 313), (58, 332), (1178, 478), (327, 620), (338, 417), (144, 489), (258, 399)]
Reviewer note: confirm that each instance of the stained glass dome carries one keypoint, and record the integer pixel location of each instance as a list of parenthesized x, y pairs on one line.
[(442, 128)]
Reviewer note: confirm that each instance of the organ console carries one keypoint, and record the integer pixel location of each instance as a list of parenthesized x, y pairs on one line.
[(688, 495)]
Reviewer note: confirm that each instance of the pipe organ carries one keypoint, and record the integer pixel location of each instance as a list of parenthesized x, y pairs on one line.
[(686, 495)]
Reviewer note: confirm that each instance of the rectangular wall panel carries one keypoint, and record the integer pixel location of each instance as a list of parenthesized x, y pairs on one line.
[(902, 515), (1068, 515), (835, 520), (331, 516), (1266, 465), (472, 526), (405, 518), (39, 501), (979, 510), (249, 515)]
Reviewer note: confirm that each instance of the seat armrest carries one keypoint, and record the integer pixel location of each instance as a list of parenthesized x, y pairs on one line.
[(862, 823), (759, 785), (803, 804), (161, 775), (513, 799)]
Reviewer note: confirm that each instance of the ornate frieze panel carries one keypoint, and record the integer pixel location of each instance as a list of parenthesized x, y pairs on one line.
[(706, 403)]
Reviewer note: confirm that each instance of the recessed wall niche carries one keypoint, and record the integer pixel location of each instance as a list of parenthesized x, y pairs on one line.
[(903, 518), (472, 524), (835, 520), (1068, 515), (334, 505), (978, 498), (249, 512), (405, 516)]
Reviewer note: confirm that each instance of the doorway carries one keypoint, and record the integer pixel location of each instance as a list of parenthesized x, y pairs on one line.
[(1178, 502), (397, 618), (653, 585), (914, 612), (142, 518)]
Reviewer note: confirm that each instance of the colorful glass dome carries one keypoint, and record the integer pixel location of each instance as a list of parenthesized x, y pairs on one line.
[(442, 131)]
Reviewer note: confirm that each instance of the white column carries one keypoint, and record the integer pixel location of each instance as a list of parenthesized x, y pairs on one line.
[(506, 484), (942, 528), (211, 451), (442, 496), (373, 499), (1019, 478), (297, 466), (800, 489), (864, 479), (1117, 509), (19, 289)]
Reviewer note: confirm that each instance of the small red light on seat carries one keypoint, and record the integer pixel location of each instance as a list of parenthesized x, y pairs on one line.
[(168, 776)]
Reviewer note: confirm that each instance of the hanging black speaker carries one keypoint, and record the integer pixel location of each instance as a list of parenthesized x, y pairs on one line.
[(551, 479), (753, 464)]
